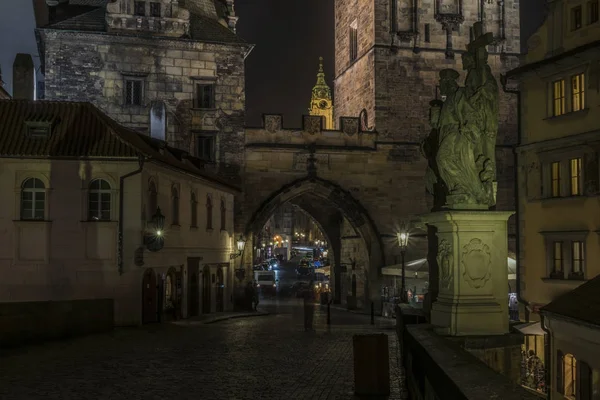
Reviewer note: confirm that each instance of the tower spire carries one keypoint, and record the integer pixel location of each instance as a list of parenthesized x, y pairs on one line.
[(321, 102)]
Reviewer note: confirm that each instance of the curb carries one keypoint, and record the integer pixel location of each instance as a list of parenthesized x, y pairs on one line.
[(225, 318)]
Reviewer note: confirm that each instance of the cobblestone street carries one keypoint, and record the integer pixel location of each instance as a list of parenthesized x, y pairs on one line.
[(265, 357)]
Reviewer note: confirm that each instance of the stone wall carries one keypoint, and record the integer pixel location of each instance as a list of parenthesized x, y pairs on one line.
[(92, 67), (32, 322)]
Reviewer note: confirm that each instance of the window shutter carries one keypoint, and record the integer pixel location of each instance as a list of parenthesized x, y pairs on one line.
[(585, 381), (590, 174), (560, 372)]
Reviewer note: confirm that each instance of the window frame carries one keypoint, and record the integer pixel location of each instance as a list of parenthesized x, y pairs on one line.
[(578, 95), (200, 105), (353, 41), (137, 3), (593, 15), (35, 192), (223, 215), (99, 217), (427, 35), (573, 373), (193, 210), (209, 213), (566, 238), (580, 250), (175, 202), (200, 137), (561, 98), (153, 5), (576, 23), (133, 80), (577, 177), (555, 181)]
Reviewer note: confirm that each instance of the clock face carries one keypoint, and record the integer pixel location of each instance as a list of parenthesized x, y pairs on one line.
[(322, 104), (321, 93)]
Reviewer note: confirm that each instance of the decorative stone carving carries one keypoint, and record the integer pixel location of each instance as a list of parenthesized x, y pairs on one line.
[(466, 126), (445, 264), (477, 263), (350, 125), (312, 123), (301, 161), (273, 123)]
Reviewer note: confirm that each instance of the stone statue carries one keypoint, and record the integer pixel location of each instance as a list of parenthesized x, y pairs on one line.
[(461, 146)]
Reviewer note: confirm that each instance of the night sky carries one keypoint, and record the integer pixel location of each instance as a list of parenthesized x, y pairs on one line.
[(290, 35)]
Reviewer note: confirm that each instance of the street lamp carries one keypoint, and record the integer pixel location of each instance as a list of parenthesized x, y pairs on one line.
[(154, 239), (403, 244), (241, 243)]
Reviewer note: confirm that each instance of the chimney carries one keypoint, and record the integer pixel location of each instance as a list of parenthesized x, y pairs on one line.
[(40, 10), (23, 77)]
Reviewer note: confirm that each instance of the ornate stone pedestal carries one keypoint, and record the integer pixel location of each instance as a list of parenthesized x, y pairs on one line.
[(473, 272)]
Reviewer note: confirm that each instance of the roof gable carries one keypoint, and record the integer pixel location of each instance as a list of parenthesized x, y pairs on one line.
[(582, 303)]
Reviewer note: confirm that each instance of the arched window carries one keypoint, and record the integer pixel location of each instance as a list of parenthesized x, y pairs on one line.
[(152, 199), (209, 210), (99, 197), (223, 215), (33, 199), (174, 206), (194, 213)]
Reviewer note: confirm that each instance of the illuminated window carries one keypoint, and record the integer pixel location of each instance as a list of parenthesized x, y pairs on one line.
[(575, 176), (194, 216), (99, 198), (557, 264), (555, 179), (577, 258), (209, 213), (593, 14), (33, 199), (174, 206), (578, 92), (353, 40), (570, 376), (576, 18), (558, 91)]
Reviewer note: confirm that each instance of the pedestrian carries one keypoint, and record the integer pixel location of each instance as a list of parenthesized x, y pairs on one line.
[(309, 309), (255, 295)]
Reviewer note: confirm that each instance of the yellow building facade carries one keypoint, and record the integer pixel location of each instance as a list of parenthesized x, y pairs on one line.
[(558, 207), (321, 102)]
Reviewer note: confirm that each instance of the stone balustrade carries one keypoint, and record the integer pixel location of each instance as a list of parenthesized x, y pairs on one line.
[(273, 133)]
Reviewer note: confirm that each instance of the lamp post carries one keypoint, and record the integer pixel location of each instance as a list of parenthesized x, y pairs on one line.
[(241, 243), (154, 239), (403, 243)]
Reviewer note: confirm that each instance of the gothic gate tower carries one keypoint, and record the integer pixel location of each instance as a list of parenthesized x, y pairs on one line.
[(321, 102), (388, 54)]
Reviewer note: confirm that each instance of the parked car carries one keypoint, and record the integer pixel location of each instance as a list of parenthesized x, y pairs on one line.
[(266, 283)]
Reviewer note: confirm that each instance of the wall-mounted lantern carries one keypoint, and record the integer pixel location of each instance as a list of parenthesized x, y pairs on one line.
[(154, 238), (241, 243)]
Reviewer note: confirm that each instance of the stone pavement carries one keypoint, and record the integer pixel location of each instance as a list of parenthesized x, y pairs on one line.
[(220, 316), (270, 357)]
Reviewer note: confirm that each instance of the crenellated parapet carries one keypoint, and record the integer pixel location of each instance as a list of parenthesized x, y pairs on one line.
[(274, 134)]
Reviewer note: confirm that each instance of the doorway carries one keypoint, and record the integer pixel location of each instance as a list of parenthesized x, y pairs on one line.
[(206, 294), (220, 301), (193, 287), (149, 297)]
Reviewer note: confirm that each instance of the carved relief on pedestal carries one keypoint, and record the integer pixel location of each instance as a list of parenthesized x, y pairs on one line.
[(312, 124), (477, 263), (349, 125), (445, 264)]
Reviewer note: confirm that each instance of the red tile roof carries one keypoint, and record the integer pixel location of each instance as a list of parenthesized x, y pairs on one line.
[(80, 130)]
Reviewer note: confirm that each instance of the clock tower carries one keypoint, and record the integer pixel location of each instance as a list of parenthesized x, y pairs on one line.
[(321, 102)]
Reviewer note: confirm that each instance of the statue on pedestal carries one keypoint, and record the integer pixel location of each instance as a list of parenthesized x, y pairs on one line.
[(461, 146)]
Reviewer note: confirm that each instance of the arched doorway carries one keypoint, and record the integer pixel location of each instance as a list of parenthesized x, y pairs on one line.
[(193, 287), (323, 199), (220, 301), (149, 298), (170, 295), (206, 293)]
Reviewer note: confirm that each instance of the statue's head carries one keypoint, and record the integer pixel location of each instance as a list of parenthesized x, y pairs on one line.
[(468, 61), (448, 81)]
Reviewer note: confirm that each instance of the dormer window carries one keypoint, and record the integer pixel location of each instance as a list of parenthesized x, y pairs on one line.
[(36, 130), (139, 8), (155, 10)]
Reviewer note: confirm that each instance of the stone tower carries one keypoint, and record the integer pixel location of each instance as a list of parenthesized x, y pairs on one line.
[(321, 102), (388, 56), (23, 77), (170, 68)]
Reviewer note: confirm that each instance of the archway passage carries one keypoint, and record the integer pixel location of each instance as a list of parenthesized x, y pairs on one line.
[(351, 233), (206, 293), (149, 297)]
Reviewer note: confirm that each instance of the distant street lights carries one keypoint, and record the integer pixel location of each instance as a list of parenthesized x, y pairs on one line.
[(403, 244)]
